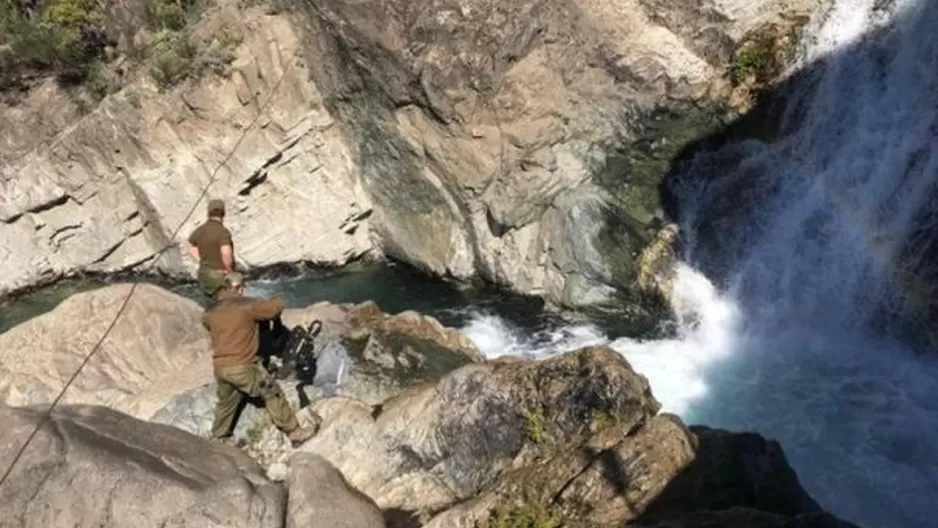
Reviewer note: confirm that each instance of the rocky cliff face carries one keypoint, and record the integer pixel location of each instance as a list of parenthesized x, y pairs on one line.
[(520, 141)]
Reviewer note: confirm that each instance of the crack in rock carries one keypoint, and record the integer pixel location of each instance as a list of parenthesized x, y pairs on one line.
[(44, 206)]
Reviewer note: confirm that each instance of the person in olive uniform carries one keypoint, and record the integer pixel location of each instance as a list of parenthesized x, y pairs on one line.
[(211, 246), (232, 323)]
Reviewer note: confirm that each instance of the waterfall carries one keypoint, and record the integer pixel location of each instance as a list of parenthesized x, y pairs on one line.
[(798, 255), (815, 227), (818, 237)]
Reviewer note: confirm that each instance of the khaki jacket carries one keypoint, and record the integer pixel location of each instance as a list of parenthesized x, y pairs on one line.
[(232, 323)]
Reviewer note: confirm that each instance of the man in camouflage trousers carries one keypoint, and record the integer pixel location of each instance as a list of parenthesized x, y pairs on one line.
[(232, 322)]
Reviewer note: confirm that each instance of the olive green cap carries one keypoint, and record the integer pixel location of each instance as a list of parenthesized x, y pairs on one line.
[(216, 207)]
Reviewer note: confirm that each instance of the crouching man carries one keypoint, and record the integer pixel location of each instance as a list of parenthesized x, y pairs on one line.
[(232, 322)]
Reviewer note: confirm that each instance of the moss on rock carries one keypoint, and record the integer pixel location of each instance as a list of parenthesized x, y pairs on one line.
[(634, 176)]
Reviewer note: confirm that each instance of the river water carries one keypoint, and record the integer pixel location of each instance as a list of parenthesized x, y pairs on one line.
[(785, 345)]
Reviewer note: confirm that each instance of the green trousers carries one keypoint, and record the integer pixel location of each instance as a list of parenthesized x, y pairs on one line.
[(237, 382), (210, 281)]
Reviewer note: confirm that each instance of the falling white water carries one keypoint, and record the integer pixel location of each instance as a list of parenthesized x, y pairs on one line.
[(497, 337), (676, 368), (857, 414)]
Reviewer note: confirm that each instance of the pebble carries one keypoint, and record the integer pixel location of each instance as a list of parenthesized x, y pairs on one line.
[(278, 472)]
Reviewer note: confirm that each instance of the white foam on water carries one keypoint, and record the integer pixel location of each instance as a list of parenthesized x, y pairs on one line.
[(707, 329), (495, 337), (675, 368)]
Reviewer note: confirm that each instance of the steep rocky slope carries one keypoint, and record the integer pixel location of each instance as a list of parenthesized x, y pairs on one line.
[(520, 141), (453, 440)]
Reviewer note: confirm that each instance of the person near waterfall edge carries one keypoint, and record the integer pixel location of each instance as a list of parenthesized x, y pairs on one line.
[(211, 246), (233, 324)]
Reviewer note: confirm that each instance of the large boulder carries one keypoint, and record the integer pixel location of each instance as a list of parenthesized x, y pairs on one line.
[(381, 355), (89, 466), (435, 445), (92, 466), (155, 350), (574, 438), (522, 141), (320, 496), (389, 352)]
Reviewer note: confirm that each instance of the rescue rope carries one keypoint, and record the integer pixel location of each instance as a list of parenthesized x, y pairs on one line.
[(214, 175)]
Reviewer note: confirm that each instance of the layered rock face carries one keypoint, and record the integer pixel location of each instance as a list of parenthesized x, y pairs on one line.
[(522, 142), (106, 192)]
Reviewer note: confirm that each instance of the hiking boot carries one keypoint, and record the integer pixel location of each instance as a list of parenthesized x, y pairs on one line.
[(300, 435)]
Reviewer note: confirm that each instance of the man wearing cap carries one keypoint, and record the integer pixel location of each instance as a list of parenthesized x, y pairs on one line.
[(232, 323), (211, 246)]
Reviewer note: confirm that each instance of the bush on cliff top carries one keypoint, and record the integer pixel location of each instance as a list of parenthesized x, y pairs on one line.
[(61, 37), (69, 40)]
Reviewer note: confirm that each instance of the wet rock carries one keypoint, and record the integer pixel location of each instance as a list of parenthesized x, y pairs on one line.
[(749, 518), (735, 470)]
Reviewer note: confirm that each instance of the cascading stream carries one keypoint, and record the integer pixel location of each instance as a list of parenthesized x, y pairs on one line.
[(809, 236), (819, 253)]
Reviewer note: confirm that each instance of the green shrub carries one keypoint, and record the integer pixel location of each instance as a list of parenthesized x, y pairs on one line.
[(525, 515), (172, 58), (756, 59), (65, 37), (535, 424), (168, 14)]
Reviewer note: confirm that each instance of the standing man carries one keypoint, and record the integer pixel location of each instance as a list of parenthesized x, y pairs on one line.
[(232, 322), (211, 246)]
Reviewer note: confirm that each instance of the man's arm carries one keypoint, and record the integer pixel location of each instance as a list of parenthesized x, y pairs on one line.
[(193, 247), (227, 258), (266, 309), (227, 251), (194, 252)]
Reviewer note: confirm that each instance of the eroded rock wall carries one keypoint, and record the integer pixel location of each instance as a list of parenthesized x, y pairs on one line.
[(522, 142)]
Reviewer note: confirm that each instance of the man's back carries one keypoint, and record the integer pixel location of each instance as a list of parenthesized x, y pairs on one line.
[(209, 238), (232, 323)]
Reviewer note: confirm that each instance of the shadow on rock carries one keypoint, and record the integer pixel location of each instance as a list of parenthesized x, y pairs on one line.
[(736, 479)]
